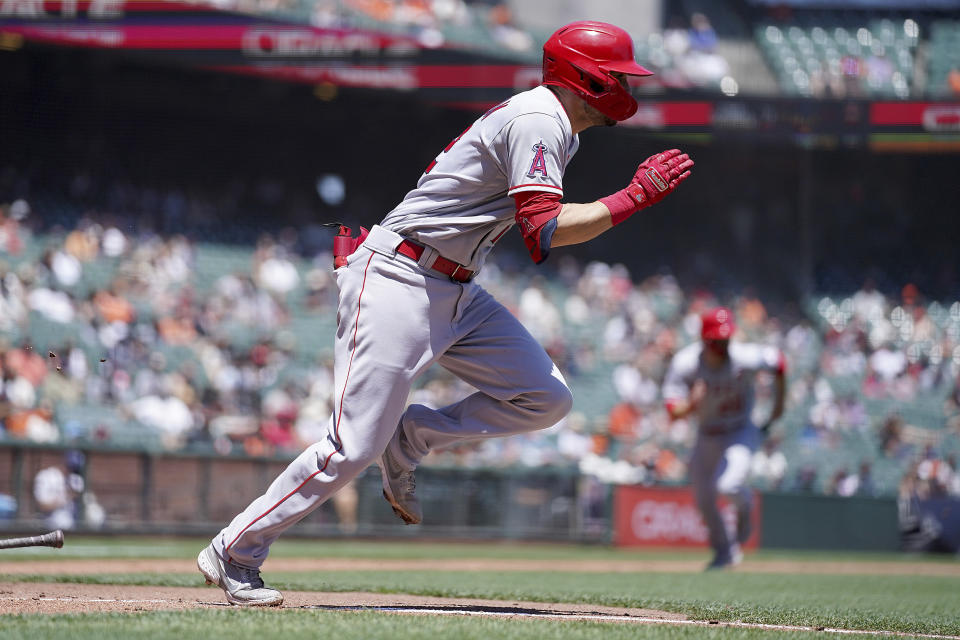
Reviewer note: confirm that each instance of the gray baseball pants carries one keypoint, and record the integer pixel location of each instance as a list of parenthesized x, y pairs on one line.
[(720, 465), (395, 319)]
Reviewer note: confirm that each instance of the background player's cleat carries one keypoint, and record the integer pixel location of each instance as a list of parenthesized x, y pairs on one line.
[(731, 558), (242, 586), (398, 487)]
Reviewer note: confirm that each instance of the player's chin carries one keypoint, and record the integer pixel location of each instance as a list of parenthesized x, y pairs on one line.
[(609, 122)]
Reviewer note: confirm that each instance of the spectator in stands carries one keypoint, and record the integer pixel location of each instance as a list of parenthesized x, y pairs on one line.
[(869, 305), (865, 484), (886, 364), (839, 484), (935, 473), (703, 38), (11, 232), (25, 363), (65, 268), (55, 490), (879, 68), (83, 242), (702, 64), (891, 438), (676, 37), (113, 306), (505, 31), (806, 479), (851, 68), (953, 81)]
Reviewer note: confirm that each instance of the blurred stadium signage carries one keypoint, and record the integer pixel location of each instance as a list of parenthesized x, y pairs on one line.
[(668, 517), (203, 37)]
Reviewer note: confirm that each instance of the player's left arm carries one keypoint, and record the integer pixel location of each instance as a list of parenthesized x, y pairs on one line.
[(779, 391), (655, 178), (546, 222), (578, 223)]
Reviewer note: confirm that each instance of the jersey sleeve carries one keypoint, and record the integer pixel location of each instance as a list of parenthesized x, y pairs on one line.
[(761, 357), (534, 154), (675, 387)]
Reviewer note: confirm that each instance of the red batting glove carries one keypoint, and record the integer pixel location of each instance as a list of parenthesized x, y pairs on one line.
[(656, 176)]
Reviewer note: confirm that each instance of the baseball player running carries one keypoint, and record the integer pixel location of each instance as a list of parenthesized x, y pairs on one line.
[(714, 381), (407, 297)]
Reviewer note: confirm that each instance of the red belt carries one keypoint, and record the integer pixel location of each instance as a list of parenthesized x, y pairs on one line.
[(454, 270)]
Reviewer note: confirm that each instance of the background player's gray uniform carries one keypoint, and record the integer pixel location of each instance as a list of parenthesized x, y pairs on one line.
[(726, 437), (396, 317)]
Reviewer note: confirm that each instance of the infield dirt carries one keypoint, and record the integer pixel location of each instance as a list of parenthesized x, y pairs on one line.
[(43, 597), (32, 597)]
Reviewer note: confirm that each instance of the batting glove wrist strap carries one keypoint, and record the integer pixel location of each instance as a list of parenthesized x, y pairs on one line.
[(626, 202)]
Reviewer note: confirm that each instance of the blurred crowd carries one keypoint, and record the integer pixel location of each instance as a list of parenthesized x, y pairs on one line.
[(115, 338), (432, 22), (683, 54)]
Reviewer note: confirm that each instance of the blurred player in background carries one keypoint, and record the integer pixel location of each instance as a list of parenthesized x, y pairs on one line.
[(713, 381), (408, 298)]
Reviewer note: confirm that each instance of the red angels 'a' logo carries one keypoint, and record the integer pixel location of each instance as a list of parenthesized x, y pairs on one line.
[(539, 164)]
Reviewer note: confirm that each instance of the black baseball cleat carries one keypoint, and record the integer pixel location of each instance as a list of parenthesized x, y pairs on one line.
[(730, 559)]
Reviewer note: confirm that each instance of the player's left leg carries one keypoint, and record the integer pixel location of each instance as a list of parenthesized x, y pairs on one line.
[(732, 481), (520, 388)]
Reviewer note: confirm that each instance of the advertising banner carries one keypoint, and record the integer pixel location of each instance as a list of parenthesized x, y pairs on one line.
[(668, 517)]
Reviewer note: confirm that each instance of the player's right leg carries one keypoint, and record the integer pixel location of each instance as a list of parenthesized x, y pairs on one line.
[(704, 470), (382, 343), (520, 389)]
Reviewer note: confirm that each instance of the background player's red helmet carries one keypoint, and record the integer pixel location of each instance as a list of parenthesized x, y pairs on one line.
[(580, 57), (717, 324)]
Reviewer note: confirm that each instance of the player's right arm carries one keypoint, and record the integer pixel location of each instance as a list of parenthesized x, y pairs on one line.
[(681, 397), (681, 408)]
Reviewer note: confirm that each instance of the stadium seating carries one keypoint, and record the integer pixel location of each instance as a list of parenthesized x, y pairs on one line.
[(873, 58), (943, 55)]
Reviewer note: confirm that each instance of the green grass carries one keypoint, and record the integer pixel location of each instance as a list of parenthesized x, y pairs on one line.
[(269, 625), (911, 604)]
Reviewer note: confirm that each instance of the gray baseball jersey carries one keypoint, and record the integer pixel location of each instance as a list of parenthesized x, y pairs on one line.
[(730, 388), (462, 204)]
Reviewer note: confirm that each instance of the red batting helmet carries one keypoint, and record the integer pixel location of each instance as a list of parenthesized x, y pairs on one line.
[(580, 57), (717, 324)]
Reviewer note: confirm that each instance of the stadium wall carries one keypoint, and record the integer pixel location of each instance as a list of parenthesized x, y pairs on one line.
[(180, 494)]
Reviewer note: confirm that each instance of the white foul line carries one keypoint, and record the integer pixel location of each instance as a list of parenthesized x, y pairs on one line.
[(643, 620), (544, 616)]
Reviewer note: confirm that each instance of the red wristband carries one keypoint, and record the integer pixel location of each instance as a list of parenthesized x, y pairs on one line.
[(624, 203)]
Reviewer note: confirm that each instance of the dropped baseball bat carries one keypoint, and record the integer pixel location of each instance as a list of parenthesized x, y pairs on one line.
[(52, 539)]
